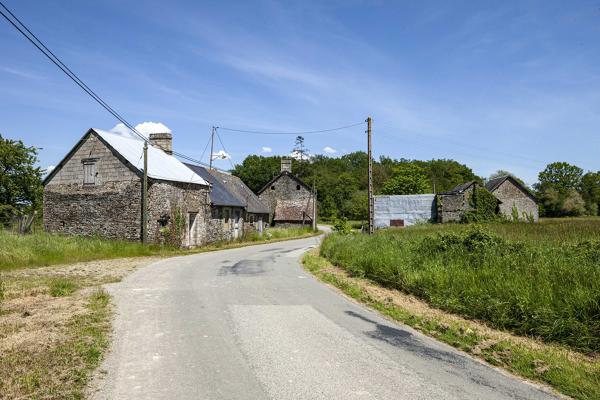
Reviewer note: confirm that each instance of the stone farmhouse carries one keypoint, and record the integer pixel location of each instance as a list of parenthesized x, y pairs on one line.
[(288, 199), (235, 209), (97, 190), (510, 193)]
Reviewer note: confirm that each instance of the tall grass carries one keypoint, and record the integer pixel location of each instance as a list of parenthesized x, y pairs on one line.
[(43, 249), (538, 280)]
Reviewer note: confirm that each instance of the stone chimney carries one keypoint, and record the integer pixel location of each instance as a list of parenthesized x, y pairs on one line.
[(163, 141), (286, 165)]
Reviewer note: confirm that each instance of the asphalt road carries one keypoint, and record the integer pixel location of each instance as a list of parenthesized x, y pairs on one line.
[(250, 323)]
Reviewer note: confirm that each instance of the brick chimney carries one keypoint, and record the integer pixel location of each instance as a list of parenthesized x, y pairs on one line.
[(286, 165), (163, 141)]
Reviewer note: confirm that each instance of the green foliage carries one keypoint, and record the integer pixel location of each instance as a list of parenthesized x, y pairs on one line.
[(514, 213), (560, 176), (590, 191), (43, 249), (446, 174), (484, 207), (20, 181), (256, 171), (408, 178), (175, 231), (501, 173), (342, 226), (533, 279)]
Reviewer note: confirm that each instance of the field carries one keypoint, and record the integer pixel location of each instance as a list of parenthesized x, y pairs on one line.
[(536, 280)]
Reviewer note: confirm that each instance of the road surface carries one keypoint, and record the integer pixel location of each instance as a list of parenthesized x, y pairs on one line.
[(250, 323)]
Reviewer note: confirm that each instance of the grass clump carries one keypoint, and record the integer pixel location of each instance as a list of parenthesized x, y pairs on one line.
[(509, 275), (60, 287)]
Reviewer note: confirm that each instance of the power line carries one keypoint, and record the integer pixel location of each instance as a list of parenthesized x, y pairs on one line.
[(224, 149), (291, 133), (30, 36)]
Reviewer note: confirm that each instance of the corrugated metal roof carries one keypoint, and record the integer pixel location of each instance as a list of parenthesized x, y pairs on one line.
[(220, 195), (160, 164), (236, 186)]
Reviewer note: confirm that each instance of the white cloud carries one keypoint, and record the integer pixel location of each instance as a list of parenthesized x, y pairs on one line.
[(48, 169), (145, 128), (296, 155), (221, 155), (267, 149), (329, 150)]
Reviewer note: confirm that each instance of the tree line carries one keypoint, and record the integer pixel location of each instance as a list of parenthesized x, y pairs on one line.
[(341, 182)]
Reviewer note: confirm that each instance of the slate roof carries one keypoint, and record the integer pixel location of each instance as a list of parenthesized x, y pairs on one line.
[(495, 183), (291, 210), (161, 165), (239, 189), (460, 188), (220, 195)]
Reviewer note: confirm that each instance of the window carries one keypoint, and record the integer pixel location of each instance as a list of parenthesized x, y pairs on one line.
[(297, 187), (226, 216), (272, 187), (89, 172), (252, 218)]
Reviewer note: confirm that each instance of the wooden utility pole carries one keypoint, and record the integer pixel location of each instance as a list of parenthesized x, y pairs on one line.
[(212, 145), (145, 196), (371, 202), (314, 216)]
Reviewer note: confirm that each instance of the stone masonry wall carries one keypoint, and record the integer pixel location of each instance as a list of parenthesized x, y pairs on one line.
[(511, 195), (166, 199), (451, 207), (110, 208), (286, 188)]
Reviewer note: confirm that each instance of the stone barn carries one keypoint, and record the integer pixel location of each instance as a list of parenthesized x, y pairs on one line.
[(452, 204), (514, 196), (289, 200), (97, 190)]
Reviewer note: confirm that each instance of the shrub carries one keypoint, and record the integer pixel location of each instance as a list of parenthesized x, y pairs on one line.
[(342, 226)]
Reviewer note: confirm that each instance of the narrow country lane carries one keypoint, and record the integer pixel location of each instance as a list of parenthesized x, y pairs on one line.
[(250, 323)]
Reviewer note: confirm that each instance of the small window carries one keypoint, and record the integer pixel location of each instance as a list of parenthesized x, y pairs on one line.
[(251, 219), (272, 187), (89, 172), (226, 216), (297, 187)]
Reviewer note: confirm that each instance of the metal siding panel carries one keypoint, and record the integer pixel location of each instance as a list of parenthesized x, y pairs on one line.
[(410, 208)]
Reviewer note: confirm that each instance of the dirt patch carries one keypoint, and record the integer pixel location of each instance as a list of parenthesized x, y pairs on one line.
[(39, 332)]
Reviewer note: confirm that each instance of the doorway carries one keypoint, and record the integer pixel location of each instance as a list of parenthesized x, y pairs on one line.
[(236, 224), (192, 237)]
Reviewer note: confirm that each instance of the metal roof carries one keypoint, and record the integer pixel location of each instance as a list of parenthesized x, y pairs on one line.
[(460, 188), (160, 164), (220, 194)]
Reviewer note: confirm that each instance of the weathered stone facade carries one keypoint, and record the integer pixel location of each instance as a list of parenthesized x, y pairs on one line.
[(95, 191), (452, 205), (289, 200), (512, 195)]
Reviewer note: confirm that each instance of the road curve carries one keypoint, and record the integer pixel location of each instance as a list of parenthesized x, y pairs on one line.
[(250, 323)]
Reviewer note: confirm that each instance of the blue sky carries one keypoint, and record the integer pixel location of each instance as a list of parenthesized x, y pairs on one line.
[(495, 85)]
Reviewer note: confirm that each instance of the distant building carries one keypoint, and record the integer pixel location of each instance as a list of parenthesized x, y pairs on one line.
[(289, 200), (513, 195), (97, 190), (404, 210)]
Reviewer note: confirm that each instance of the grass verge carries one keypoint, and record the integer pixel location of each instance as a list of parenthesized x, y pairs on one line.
[(567, 371), (41, 249)]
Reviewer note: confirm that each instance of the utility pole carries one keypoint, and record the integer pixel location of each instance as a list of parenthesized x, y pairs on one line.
[(314, 216), (212, 145), (371, 202), (145, 196)]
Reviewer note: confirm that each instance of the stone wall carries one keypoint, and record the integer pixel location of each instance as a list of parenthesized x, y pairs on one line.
[(451, 207), (167, 199), (221, 228), (287, 188), (110, 208), (511, 195)]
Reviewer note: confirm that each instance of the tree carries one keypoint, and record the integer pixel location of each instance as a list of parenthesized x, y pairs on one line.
[(20, 181), (560, 176), (590, 191), (408, 178), (256, 171), (446, 174), (558, 186)]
